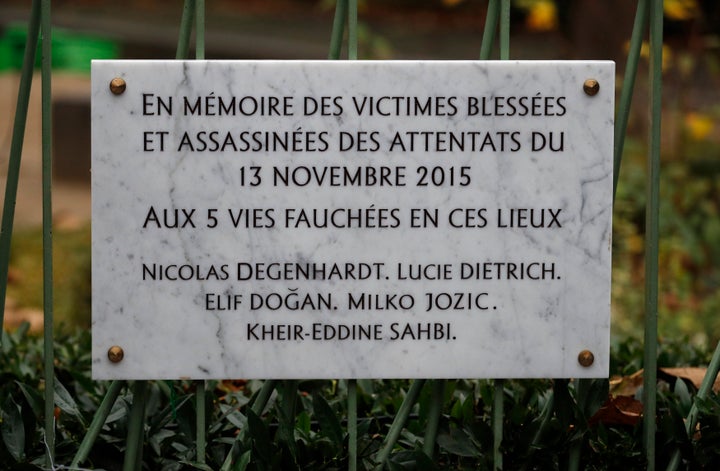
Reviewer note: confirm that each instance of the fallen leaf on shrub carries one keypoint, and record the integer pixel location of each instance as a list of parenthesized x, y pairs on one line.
[(232, 385), (626, 385), (693, 374), (618, 410)]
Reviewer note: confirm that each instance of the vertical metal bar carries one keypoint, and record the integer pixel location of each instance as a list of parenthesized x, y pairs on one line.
[(133, 452), (263, 396), (582, 387), (200, 403), (351, 7), (436, 405), (545, 415), (46, 127), (183, 45), (497, 422), (505, 30), (16, 145), (352, 424), (97, 423), (399, 421), (338, 29), (201, 423), (491, 20), (628, 86), (200, 29), (352, 30), (498, 397), (652, 216)]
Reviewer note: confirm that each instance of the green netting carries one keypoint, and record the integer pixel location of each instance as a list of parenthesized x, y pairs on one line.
[(71, 51), (6, 55)]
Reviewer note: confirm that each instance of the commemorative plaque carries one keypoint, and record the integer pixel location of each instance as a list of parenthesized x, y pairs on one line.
[(312, 219)]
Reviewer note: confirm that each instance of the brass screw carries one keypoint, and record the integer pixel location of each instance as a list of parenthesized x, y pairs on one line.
[(115, 354), (591, 87), (117, 86), (586, 358)]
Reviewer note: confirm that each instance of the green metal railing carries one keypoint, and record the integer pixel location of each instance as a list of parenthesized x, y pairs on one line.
[(649, 15)]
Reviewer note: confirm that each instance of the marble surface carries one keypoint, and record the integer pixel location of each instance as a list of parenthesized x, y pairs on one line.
[(460, 227)]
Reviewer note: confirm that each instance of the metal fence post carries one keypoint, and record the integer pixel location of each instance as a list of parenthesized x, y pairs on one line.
[(497, 422), (200, 29), (399, 422), (338, 29), (98, 421), (136, 425), (48, 350), (352, 424), (652, 228), (491, 20), (498, 407), (183, 45), (431, 430), (16, 145), (505, 30), (628, 87), (352, 30)]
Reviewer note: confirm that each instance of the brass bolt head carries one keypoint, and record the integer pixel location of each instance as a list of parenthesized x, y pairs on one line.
[(117, 86), (586, 358), (115, 354), (591, 87)]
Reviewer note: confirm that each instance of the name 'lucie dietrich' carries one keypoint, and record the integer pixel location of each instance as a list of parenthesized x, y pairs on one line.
[(339, 271)]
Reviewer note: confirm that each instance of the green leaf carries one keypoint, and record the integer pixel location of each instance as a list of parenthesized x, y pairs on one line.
[(596, 396), (304, 422), (416, 460), (13, 429), (22, 330), (260, 436), (457, 442), (328, 420), (366, 386), (158, 438), (682, 393), (466, 412), (120, 410), (197, 465), (33, 397), (7, 343), (286, 415), (233, 416), (163, 417), (563, 403), (243, 462), (66, 403)]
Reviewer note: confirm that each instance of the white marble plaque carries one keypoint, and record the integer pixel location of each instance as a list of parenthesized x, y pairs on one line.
[(351, 219)]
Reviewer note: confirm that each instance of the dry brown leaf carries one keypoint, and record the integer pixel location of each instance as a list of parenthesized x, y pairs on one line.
[(233, 385), (626, 385), (618, 410), (629, 385), (693, 374)]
